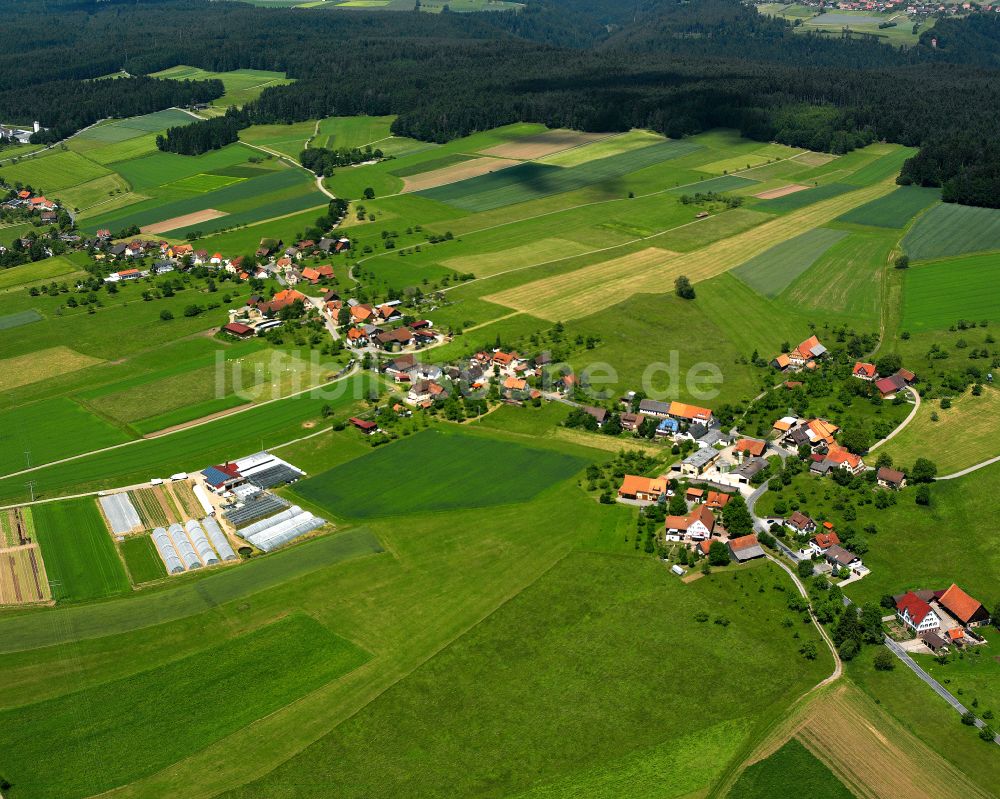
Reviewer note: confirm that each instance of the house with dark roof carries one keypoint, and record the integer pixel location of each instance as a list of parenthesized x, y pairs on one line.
[(840, 558), (654, 408), (890, 478), (600, 414)]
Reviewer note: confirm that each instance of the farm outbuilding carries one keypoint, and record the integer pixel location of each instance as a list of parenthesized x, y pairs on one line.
[(168, 553), (121, 514), (184, 549), (218, 538)]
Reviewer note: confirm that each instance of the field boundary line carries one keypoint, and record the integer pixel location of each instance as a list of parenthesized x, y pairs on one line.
[(968, 470), (899, 428), (354, 370)]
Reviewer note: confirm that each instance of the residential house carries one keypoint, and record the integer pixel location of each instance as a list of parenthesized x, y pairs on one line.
[(403, 365), (970, 612), (890, 478), (643, 489), (808, 350), (631, 421), (840, 558), (696, 525), (282, 299), (798, 522), (840, 458), (916, 613), (599, 414), (314, 274), (864, 371), (388, 313), (745, 548), (401, 337), (717, 500), (356, 337), (784, 425), (821, 542), (747, 448), (514, 384), (425, 391), (667, 427), (689, 413), (361, 313)]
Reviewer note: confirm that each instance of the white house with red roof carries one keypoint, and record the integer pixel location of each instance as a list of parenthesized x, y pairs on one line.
[(916, 613), (698, 525)]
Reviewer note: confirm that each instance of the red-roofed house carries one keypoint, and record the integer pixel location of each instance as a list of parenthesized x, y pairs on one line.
[(646, 489), (917, 614), (754, 446), (864, 371), (821, 542), (697, 525)]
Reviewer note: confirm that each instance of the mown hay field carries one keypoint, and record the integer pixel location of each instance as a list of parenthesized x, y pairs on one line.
[(602, 148), (579, 293), (455, 470), (894, 210), (26, 274), (463, 170), (800, 199), (517, 257), (937, 295), (965, 434), (349, 132), (952, 229), (846, 279), (34, 367), (773, 270), (540, 145), (80, 556)]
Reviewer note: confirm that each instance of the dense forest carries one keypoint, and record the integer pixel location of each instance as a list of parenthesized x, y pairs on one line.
[(673, 66)]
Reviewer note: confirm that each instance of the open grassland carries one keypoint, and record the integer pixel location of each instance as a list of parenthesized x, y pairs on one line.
[(52, 171), (456, 470), (976, 674), (568, 296), (952, 229), (350, 132), (559, 639), (190, 449), (846, 279), (971, 764), (49, 269), (791, 769), (965, 434), (137, 725), (142, 560), (37, 366), (774, 270), (531, 181), (517, 257), (894, 210), (937, 295), (289, 139), (51, 429), (80, 556), (694, 236), (242, 85), (671, 338)]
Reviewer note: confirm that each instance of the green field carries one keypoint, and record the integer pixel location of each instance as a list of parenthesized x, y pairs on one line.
[(142, 560), (137, 725), (792, 769), (351, 132), (430, 165), (937, 295), (800, 199), (18, 319), (456, 470), (951, 229), (894, 210), (202, 183), (530, 181), (26, 274), (190, 449), (54, 170), (242, 85), (567, 642), (846, 279), (52, 429), (774, 270), (80, 557)]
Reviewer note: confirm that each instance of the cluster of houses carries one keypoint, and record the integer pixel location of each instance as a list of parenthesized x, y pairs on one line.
[(824, 544), (942, 619), (803, 356), (425, 383), (375, 326), (25, 200), (888, 387)]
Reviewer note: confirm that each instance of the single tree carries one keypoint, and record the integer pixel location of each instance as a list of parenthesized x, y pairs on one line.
[(684, 288), (718, 554)]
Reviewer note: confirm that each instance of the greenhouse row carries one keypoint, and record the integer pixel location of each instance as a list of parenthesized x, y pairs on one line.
[(281, 528)]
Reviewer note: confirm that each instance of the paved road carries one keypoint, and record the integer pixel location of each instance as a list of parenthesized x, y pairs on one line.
[(939, 689), (902, 425), (970, 469)]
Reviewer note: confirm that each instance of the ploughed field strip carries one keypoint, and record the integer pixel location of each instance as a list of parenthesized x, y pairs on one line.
[(579, 293), (22, 571)]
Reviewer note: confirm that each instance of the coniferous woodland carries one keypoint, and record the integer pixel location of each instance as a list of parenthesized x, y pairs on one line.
[(675, 67)]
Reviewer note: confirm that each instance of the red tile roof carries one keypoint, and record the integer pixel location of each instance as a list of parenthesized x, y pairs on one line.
[(962, 606), (917, 608), (743, 542)]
